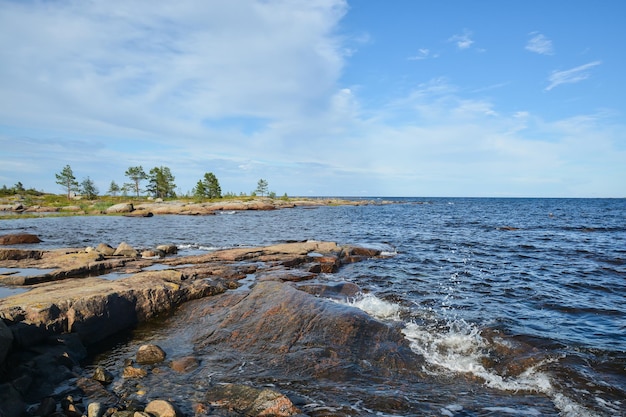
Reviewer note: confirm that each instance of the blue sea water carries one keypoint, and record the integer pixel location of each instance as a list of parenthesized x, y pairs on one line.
[(482, 285)]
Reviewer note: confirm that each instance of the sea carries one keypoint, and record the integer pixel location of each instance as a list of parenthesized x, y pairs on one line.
[(516, 305)]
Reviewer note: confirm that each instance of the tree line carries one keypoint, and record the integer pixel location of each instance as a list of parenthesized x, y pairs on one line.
[(160, 184)]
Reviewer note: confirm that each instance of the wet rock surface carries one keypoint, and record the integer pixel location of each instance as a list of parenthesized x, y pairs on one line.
[(44, 332)]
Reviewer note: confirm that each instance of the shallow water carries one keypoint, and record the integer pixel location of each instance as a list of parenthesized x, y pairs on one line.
[(516, 305)]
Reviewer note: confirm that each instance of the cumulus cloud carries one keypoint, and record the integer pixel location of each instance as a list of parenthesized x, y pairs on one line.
[(463, 41), (540, 44), (571, 76)]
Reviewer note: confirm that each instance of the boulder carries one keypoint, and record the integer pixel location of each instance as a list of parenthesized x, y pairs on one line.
[(168, 249), (251, 401), (11, 403), (161, 408), (150, 354), (105, 249), (124, 249), (120, 208), (6, 341), (19, 239), (288, 329)]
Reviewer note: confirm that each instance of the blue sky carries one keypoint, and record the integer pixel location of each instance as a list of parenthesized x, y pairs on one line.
[(327, 97)]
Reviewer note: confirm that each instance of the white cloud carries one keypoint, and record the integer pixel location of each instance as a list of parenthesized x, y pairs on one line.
[(571, 76), (540, 44), (463, 41), (422, 53)]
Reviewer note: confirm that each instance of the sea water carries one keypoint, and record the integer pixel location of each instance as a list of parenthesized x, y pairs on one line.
[(518, 306)]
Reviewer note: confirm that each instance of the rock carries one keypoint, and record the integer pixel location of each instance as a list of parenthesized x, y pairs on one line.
[(149, 254), (161, 408), (74, 209), (95, 409), (251, 401), (46, 407), (102, 375), (150, 354), (168, 249), (184, 365), (19, 239), (105, 249), (132, 372), (11, 403), (6, 341), (7, 254), (120, 208), (289, 329), (124, 249)]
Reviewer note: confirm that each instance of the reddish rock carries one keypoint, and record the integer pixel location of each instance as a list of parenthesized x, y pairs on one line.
[(19, 239), (251, 401), (184, 365)]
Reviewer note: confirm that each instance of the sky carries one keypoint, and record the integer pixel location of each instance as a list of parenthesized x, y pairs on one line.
[(450, 98)]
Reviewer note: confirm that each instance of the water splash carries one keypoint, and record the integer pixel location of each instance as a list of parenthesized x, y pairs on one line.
[(459, 347)]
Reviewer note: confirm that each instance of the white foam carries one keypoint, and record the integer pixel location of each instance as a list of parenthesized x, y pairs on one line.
[(376, 307), (459, 348), (519, 412)]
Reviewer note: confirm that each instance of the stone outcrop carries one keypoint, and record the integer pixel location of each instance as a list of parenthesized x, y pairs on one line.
[(295, 332), (120, 208), (67, 309), (19, 239)]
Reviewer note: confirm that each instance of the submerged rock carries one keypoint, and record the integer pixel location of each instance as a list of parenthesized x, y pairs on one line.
[(250, 401), (19, 239), (150, 354)]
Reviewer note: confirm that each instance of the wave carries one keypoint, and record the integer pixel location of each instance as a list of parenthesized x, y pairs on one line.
[(374, 306), (460, 348)]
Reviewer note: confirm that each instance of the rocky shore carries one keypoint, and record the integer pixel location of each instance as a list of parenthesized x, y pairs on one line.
[(156, 207), (77, 298)]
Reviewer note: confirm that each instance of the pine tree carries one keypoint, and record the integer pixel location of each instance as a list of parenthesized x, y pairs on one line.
[(136, 174), (262, 187), (67, 180), (88, 188), (114, 189)]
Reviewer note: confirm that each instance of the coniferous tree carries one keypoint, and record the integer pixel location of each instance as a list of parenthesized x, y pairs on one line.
[(114, 189), (67, 180), (88, 188), (208, 187), (136, 174), (161, 182), (261, 187)]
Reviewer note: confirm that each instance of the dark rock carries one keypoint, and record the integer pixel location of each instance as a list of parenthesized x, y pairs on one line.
[(150, 354), (46, 407), (250, 401), (11, 403), (19, 239), (6, 341)]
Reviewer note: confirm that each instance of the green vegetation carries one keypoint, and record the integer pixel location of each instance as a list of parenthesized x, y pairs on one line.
[(161, 182), (89, 189), (67, 180), (261, 187), (160, 185), (136, 175), (208, 187)]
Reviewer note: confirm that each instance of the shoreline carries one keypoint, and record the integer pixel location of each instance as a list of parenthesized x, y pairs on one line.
[(19, 208), (72, 307)]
